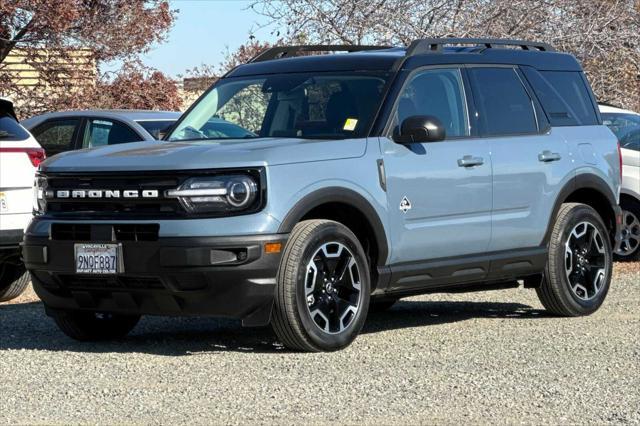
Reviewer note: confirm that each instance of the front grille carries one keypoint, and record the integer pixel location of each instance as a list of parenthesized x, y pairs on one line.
[(70, 232), (87, 232), (115, 207), (156, 207), (137, 232), (109, 283)]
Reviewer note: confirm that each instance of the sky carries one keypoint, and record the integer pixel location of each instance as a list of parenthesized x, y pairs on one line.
[(202, 32)]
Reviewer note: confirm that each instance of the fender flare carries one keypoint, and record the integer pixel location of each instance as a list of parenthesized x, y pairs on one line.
[(345, 196), (583, 181)]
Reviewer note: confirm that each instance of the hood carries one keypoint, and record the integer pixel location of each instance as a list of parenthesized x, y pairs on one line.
[(203, 154)]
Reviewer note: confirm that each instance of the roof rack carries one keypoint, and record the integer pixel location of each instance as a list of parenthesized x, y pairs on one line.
[(279, 52), (435, 45)]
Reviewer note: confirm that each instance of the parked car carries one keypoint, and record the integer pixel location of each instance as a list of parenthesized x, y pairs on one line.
[(66, 131), (20, 156), (626, 126), (449, 165)]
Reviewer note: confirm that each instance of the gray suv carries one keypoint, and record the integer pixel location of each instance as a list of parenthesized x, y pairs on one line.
[(364, 177)]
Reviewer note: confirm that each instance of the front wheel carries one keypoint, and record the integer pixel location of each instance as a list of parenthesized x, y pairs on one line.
[(323, 287), (94, 326), (578, 272)]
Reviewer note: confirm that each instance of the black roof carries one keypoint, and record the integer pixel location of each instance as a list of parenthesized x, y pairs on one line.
[(420, 53)]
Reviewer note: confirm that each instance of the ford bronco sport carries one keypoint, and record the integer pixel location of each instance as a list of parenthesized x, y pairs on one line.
[(364, 177)]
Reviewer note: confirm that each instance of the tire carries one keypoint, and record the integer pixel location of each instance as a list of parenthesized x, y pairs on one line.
[(14, 279), (92, 326), (312, 313), (578, 271), (381, 305), (628, 249)]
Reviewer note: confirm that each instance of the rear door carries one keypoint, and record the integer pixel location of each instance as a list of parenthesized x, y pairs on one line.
[(530, 161)]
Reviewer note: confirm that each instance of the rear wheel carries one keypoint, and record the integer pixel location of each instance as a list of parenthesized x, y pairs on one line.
[(13, 278), (323, 287), (628, 246), (578, 271), (94, 326)]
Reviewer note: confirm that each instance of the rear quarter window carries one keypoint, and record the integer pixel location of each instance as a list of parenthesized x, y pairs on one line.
[(10, 130), (564, 96)]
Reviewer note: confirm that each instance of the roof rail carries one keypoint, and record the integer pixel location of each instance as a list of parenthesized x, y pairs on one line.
[(279, 52), (434, 45)]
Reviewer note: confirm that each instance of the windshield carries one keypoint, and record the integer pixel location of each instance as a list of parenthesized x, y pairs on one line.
[(156, 128), (10, 130), (321, 105), (621, 124)]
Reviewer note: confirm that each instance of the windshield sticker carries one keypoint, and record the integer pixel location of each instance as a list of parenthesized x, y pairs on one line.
[(350, 124)]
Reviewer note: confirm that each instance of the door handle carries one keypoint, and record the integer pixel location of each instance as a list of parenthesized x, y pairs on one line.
[(547, 156), (470, 161)]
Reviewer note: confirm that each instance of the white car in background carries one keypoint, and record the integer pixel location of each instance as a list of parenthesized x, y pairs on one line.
[(626, 126), (20, 156)]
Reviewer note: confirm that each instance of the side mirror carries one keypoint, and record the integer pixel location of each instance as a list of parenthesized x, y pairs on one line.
[(420, 128)]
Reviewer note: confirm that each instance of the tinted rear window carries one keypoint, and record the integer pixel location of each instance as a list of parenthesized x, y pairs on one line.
[(564, 96), (157, 128), (504, 105), (10, 130)]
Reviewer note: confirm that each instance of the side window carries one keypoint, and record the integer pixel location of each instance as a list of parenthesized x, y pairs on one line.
[(571, 87), (56, 136), (99, 132), (503, 103), (437, 92)]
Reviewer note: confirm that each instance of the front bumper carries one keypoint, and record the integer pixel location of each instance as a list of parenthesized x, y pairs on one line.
[(214, 276)]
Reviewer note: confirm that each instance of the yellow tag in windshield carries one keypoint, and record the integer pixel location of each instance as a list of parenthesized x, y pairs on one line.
[(350, 124)]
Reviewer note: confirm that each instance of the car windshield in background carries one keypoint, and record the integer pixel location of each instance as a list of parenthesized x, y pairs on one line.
[(10, 130), (621, 124), (157, 128), (315, 106), (631, 140)]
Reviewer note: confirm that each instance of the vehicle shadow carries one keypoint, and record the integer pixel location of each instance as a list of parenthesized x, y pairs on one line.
[(25, 326)]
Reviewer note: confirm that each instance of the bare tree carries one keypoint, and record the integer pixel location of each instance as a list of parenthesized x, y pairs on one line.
[(50, 50), (603, 34)]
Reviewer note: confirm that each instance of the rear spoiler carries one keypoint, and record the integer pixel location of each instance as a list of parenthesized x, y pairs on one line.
[(6, 108)]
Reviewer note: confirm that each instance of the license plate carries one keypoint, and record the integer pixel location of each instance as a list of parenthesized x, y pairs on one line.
[(4, 207), (97, 258)]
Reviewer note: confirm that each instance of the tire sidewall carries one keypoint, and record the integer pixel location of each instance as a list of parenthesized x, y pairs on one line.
[(583, 214), (9, 274), (332, 232)]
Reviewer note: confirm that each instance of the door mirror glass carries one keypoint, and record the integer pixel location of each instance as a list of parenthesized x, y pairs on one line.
[(419, 129)]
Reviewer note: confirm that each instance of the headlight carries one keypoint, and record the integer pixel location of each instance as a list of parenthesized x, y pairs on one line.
[(39, 201), (217, 194)]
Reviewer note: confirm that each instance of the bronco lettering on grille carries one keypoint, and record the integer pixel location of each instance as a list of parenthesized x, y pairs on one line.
[(103, 193)]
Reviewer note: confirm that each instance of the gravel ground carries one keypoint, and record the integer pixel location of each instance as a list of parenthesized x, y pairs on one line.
[(491, 357)]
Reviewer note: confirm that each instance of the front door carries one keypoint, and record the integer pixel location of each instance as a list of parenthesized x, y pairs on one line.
[(439, 193)]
